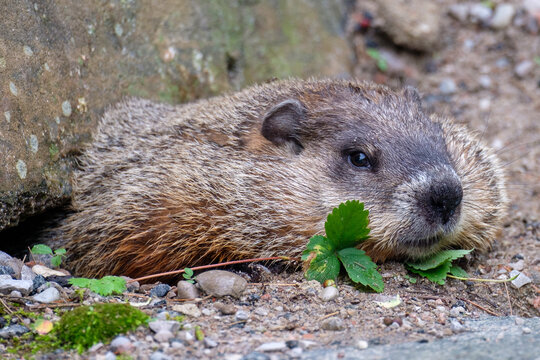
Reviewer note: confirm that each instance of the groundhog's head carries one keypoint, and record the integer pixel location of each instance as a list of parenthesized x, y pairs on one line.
[(428, 184)]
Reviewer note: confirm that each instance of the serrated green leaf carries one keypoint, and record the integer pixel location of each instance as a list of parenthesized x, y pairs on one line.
[(319, 245), (108, 285), (80, 282), (458, 271), (323, 267), (40, 249), (347, 225), (360, 268), (437, 274), (438, 259)]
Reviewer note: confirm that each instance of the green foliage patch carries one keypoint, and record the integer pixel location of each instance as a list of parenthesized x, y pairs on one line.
[(41, 249), (106, 286), (346, 227), (439, 265)]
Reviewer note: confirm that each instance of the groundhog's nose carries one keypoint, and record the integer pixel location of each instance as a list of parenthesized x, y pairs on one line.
[(445, 198)]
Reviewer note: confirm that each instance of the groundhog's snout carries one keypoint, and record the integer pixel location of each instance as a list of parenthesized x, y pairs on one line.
[(444, 200)]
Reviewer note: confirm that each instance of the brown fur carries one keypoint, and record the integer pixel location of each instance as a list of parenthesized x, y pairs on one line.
[(163, 187)]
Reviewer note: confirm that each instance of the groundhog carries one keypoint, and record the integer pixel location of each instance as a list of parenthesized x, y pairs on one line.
[(254, 174)]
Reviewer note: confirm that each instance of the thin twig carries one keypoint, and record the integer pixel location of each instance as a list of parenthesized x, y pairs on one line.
[(270, 284), (508, 297), (479, 306), (483, 280), (176, 272), (329, 315)]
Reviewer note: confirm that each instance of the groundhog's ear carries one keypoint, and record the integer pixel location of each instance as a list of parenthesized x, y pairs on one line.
[(282, 122)]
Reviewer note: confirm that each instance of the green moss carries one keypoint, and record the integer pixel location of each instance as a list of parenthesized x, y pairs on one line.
[(88, 325)]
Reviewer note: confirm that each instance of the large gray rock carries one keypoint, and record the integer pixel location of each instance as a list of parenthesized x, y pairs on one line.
[(63, 62)]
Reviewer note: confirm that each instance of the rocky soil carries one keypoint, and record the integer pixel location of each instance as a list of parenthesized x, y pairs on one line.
[(483, 68)]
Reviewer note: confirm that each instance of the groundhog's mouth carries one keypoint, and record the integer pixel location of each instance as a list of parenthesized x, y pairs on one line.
[(428, 242)]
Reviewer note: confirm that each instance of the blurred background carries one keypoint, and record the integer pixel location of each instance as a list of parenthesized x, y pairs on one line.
[(63, 62)]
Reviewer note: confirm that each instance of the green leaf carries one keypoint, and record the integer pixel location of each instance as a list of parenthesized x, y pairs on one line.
[(437, 274), (438, 259), (60, 251), (325, 264), (40, 249), (108, 285), (56, 260), (361, 269), (319, 245), (188, 272), (323, 268), (347, 225), (458, 271)]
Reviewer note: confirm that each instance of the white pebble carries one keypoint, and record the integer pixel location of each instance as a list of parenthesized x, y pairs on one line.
[(504, 13), (329, 293), (272, 346), (521, 279)]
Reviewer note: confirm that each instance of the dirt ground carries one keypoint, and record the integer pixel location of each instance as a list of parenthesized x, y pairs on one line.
[(282, 306)]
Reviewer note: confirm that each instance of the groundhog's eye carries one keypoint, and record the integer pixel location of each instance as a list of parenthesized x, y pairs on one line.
[(359, 159)]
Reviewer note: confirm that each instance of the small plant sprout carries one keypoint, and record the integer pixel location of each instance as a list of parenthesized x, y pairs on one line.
[(346, 227)]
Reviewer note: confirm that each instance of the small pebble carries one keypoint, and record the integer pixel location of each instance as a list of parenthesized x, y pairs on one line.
[(521, 280), (447, 87), (504, 13), (163, 336), (272, 346), (109, 355), (484, 81), (22, 286), (291, 344), (242, 315), (187, 290), (362, 344), (519, 321), (456, 326), (518, 265), (295, 353), (459, 11), (456, 311), (121, 345), (6, 270), (209, 343), (523, 68), (206, 312), (332, 324), (261, 311), (329, 293), (164, 325), (15, 293), (225, 309), (221, 283), (158, 355), (526, 330), (256, 356), (188, 309), (480, 13), (441, 318), (160, 290), (131, 286), (185, 336), (47, 296), (13, 330)]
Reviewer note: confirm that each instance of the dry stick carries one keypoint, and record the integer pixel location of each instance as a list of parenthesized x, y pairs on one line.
[(479, 306), (11, 311), (175, 272), (508, 297), (483, 280), (329, 315), (270, 284)]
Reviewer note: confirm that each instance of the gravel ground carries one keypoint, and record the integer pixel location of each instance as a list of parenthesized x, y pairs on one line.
[(481, 77)]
